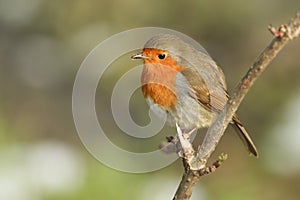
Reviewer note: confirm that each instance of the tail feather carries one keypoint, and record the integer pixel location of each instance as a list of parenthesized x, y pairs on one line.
[(245, 137)]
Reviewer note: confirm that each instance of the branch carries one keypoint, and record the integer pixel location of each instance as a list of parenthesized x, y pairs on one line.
[(283, 35)]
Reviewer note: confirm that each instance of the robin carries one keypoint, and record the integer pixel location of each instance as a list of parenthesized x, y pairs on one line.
[(185, 85)]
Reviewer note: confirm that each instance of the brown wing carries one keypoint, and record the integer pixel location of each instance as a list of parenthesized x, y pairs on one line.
[(199, 90), (215, 101), (213, 98)]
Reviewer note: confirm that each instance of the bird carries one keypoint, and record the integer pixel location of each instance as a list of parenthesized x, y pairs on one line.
[(185, 85)]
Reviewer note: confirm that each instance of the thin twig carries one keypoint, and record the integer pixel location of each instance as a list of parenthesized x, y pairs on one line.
[(283, 35)]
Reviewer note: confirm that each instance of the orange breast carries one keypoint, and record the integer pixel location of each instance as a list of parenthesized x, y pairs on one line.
[(158, 83), (160, 95)]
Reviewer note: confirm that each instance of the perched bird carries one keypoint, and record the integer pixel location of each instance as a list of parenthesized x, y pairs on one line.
[(185, 85)]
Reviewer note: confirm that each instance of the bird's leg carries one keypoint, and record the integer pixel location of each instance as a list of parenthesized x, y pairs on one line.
[(187, 149)]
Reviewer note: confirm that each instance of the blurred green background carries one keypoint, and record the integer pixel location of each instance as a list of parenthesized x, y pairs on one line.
[(42, 44)]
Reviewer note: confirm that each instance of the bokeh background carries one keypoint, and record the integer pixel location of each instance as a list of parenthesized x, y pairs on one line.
[(42, 44)]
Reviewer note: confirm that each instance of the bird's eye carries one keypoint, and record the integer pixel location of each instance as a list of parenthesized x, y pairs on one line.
[(161, 56)]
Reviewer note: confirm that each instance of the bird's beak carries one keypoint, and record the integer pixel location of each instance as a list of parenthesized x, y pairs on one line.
[(139, 56)]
